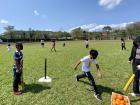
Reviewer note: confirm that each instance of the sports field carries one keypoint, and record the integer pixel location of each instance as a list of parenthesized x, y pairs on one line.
[(64, 89)]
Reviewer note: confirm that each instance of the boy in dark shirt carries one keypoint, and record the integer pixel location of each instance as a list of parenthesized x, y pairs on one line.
[(17, 68)]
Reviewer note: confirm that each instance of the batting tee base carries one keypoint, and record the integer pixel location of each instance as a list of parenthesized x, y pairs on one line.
[(48, 79)]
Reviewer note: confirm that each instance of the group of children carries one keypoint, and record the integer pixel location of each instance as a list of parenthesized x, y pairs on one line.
[(53, 44), (18, 65), (86, 62)]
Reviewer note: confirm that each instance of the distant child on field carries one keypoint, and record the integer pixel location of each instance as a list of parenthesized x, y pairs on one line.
[(123, 44), (42, 43), (17, 68), (9, 47), (87, 43), (53, 46), (64, 44), (87, 60)]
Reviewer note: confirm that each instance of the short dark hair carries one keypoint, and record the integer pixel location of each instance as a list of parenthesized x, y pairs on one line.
[(94, 53), (19, 44)]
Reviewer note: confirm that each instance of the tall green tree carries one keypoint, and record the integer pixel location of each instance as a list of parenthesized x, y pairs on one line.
[(77, 33), (9, 30), (133, 29), (107, 30)]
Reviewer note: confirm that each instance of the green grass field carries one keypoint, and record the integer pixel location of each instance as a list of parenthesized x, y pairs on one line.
[(64, 90)]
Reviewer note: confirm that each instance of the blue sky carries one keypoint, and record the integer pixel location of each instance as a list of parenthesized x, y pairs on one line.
[(65, 14)]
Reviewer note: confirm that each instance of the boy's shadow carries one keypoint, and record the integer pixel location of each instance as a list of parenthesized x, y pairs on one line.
[(133, 101), (34, 88), (102, 88)]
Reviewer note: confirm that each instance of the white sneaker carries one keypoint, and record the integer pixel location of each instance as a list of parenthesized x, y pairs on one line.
[(135, 94), (77, 79), (98, 97)]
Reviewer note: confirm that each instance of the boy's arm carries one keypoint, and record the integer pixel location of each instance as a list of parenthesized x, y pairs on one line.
[(131, 56), (21, 63), (98, 71), (98, 68), (77, 65), (17, 66)]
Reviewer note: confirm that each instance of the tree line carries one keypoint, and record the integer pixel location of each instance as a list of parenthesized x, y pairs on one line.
[(130, 32)]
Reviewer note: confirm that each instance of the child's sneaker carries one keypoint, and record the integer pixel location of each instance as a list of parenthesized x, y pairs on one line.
[(135, 94), (98, 97), (77, 79), (17, 93)]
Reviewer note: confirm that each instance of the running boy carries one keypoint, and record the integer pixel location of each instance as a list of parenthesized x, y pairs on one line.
[(123, 44), (53, 46), (87, 60), (17, 68)]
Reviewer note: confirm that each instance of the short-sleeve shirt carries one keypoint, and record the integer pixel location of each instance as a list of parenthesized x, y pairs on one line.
[(42, 41), (86, 61), (123, 43), (86, 42), (18, 56), (137, 53), (9, 48)]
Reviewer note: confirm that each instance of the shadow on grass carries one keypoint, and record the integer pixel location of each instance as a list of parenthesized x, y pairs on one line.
[(132, 101), (55, 78), (35, 88), (102, 89), (57, 51)]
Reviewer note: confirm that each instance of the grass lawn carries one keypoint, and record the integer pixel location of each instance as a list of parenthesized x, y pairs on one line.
[(64, 90)]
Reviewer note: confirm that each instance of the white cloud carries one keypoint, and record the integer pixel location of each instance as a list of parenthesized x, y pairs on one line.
[(36, 12), (3, 21), (48, 30), (109, 4), (84, 27), (95, 27)]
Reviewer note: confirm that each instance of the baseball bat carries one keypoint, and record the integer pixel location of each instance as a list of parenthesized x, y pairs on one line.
[(129, 82)]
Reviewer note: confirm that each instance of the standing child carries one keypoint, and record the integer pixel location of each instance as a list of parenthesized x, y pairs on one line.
[(135, 59), (42, 43), (87, 60), (53, 46), (17, 68), (9, 47), (87, 43), (123, 44), (64, 44)]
